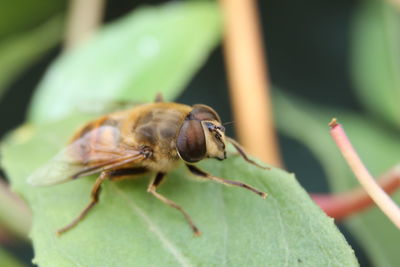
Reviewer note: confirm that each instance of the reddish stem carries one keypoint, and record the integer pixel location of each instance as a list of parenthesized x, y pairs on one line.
[(342, 205), (15, 216), (4, 236)]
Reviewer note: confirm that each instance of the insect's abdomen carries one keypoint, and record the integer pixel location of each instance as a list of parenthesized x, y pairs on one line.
[(97, 142)]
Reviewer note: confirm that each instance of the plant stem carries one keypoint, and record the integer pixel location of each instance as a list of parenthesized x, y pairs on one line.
[(15, 216), (342, 205), (382, 200), (395, 3), (84, 17), (248, 79)]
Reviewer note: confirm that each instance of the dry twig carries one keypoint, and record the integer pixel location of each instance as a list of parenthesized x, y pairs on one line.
[(248, 79), (84, 17)]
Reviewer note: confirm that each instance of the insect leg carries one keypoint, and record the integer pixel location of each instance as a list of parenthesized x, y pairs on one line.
[(242, 153), (126, 173), (152, 189), (200, 173), (159, 98), (94, 199)]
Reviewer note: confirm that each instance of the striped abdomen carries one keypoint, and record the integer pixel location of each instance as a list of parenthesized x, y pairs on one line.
[(97, 142)]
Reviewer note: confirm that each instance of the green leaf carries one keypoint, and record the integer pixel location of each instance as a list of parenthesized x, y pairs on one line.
[(21, 50), (154, 49), (376, 58), (130, 227), (379, 150), (7, 260)]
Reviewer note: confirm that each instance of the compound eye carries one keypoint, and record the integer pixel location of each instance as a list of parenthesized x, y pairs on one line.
[(191, 142), (204, 113)]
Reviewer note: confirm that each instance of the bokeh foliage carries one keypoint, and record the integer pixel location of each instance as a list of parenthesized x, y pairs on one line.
[(26, 36), (129, 225)]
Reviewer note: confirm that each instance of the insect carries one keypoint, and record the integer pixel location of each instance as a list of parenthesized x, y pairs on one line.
[(153, 138)]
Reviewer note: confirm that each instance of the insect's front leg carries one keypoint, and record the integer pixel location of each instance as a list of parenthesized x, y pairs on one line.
[(94, 199), (200, 173), (242, 153), (152, 189)]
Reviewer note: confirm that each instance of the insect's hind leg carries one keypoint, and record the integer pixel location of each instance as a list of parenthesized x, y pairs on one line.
[(114, 175), (152, 189), (200, 173), (94, 199)]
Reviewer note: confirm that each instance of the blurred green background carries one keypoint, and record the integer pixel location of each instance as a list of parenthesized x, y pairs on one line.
[(326, 58)]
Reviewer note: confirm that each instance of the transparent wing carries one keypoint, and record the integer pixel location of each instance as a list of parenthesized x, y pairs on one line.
[(88, 155)]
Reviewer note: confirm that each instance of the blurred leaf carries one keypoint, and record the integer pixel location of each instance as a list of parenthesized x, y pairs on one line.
[(7, 260), (132, 228), (155, 49), (19, 51), (378, 148), (25, 15), (376, 58)]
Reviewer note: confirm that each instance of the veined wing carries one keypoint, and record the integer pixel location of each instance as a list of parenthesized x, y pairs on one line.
[(87, 155)]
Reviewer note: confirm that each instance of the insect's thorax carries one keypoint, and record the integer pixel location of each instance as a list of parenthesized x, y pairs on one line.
[(156, 126)]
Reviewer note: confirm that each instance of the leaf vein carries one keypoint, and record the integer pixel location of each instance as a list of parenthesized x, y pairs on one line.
[(167, 244), (63, 252)]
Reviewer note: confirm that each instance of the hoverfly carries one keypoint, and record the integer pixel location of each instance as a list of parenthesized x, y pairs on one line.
[(153, 138)]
